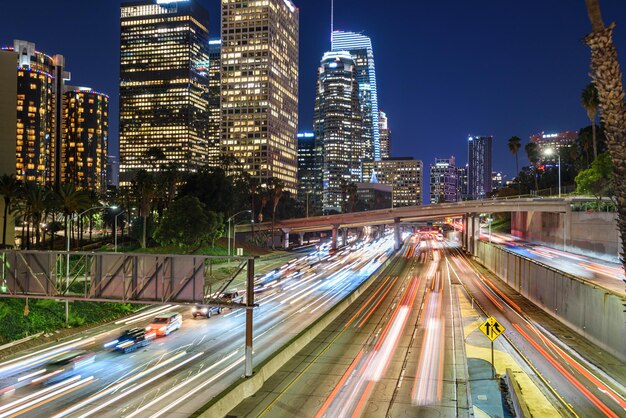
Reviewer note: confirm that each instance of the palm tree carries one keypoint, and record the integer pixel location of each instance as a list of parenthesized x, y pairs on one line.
[(9, 187), (145, 190), (515, 143), (532, 152), (35, 201), (71, 201), (589, 100), (607, 78)]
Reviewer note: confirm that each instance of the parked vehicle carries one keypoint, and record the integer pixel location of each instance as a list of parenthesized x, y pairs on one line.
[(205, 310), (163, 324)]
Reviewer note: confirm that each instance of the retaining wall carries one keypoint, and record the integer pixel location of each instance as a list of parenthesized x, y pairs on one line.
[(591, 310)]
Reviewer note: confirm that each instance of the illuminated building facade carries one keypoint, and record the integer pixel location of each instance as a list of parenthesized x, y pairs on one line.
[(260, 88), (479, 166), (40, 86), (385, 136), (84, 146), (443, 181), (497, 180), (215, 111), (8, 118), (404, 175), (360, 47), (309, 175), (164, 85), (338, 127), (461, 179), (553, 141)]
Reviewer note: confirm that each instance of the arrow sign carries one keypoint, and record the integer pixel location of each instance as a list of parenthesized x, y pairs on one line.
[(492, 328)]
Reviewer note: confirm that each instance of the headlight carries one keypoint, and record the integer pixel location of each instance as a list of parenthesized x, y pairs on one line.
[(162, 328), (194, 309), (205, 310), (148, 328)]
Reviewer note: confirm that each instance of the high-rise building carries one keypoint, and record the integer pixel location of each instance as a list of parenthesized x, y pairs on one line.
[(260, 88), (309, 175), (8, 121), (385, 135), (461, 181), (338, 127), (553, 141), (84, 147), (479, 166), (360, 47), (113, 166), (404, 175), (215, 111), (163, 85), (443, 181), (497, 180)]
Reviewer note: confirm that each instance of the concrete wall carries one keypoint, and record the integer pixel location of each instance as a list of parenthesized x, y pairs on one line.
[(592, 311), (593, 233), (8, 126)]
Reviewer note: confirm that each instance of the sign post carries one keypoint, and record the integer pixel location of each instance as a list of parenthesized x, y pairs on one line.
[(492, 329)]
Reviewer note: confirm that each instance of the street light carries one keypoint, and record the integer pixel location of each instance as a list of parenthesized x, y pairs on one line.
[(67, 260), (115, 218), (230, 219), (551, 151)]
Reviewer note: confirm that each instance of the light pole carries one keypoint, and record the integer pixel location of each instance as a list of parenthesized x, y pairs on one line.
[(230, 219), (121, 213), (67, 259), (549, 152)]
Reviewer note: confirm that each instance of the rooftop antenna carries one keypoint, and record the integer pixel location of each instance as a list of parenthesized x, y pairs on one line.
[(332, 21)]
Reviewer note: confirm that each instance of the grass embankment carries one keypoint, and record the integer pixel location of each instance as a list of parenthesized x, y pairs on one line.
[(49, 315)]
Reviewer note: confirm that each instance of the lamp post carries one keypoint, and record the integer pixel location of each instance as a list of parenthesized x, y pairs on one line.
[(115, 245), (230, 219), (549, 152), (67, 259)]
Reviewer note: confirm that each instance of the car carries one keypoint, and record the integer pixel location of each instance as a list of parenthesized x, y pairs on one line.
[(163, 324), (234, 296), (205, 310), (131, 340)]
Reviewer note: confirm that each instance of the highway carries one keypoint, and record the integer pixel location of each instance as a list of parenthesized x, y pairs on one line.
[(593, 269), (395, 351), (177, 374)]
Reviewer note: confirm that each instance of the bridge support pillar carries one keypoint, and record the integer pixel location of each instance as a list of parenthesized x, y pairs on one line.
[(474, 233), (333, 244), (344, 236), (301, 238), (286, 239), (465, 233), (397, 238)]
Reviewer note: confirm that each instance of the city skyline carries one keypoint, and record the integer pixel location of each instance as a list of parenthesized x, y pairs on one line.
[(530, 67)]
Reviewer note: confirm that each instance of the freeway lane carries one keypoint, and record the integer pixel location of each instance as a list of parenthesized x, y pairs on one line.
[(391, 353), (177, 374), (584, 388), (592, 269)]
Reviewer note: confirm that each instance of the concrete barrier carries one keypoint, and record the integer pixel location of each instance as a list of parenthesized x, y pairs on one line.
[(517, 397), (246, 387), (595, 312)]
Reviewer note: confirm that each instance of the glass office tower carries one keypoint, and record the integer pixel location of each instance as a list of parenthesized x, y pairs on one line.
[(338, 127), (360, 47), (260, 88), (479, 166), (164, 51)]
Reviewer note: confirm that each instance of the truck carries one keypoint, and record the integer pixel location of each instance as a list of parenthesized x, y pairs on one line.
[(131, 340)]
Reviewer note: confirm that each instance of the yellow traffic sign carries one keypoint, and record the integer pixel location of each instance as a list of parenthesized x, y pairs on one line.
[(492, 328)]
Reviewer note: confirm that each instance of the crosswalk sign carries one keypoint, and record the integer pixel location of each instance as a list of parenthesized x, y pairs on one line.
[(492, 328)]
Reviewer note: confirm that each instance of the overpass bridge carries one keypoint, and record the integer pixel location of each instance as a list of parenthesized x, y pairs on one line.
[(469, 210)]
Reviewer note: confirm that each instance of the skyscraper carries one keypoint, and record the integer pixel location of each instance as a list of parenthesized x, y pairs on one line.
[(309, 176), (360, 47), (404, 175), (443, 181), (338, 127), (552, 141), (385, 136), (260, 88), (8, 121), (163, 85), (461, 181), (479, 166), (215, 111), (84, 148), (40, 86)]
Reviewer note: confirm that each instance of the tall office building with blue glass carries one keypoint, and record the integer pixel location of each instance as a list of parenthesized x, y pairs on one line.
[(360, 47)]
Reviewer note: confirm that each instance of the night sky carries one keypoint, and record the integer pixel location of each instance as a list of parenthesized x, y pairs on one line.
[(445, 69)]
